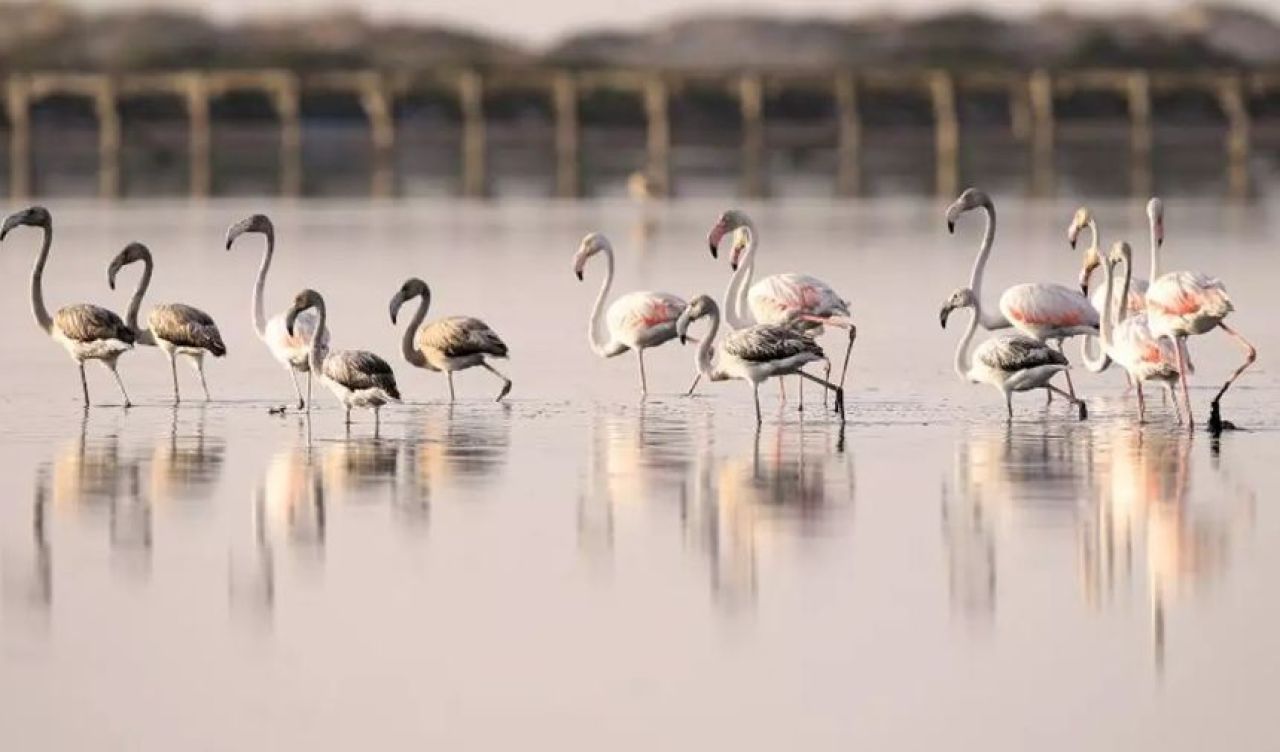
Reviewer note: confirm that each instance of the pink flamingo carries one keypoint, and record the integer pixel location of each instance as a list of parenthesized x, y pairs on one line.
[(1041, 310), (1183, 304), (635, 321), (800, 301), (1126, 336)]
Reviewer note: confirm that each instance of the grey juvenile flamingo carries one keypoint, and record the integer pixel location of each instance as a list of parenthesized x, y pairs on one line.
[(88, 332), (175, 328)]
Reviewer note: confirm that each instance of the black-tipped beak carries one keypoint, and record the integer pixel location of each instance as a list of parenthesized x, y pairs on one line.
[(943, 315), (229, 242), (715, 250), (111, 282), (1072, 241), (951, 227), (684, 339), (733, 266), (578, 273), (1084, 289)]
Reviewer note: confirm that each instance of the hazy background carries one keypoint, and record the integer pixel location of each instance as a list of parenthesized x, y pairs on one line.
[(541, 22)]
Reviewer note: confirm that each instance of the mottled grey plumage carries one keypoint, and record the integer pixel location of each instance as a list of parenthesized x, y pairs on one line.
[(184, 326), (358, 369), (766, 342), (1017, 353), (87, 323), (459, 336)]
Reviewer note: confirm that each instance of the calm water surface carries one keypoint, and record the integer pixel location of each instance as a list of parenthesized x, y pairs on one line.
[(579, 569)]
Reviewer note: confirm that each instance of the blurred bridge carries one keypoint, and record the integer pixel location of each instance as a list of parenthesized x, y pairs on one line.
[(1030, 97)]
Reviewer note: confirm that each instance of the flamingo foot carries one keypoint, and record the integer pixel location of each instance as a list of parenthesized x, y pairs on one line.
[(1216, 424), (1084, 410), (506, 388)]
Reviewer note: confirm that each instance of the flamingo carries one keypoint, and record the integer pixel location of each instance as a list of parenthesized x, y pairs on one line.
[(1182, 304), (1009, 362), (635, 321), (292, 352), (1126, 336), (87, 332), (1041, 310), (356, 377), (1082, 220), (755, 353), (449, 344), (175, 328), (796, 300)]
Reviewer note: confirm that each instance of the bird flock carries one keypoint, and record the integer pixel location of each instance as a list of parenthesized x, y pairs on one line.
[(1141, 325)]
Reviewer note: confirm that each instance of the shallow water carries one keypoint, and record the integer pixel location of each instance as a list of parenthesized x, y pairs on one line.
[(578, 568)]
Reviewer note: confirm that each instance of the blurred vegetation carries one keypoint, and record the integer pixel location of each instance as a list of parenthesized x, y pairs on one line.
[(51, 35)]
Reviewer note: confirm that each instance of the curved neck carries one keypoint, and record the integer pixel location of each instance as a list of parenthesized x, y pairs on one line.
[(131, 318), (37, 283), (703, 357), (597, 341), (259, 306), (407, 347), (316, 358), (1121, 305), (990, 320), (1155, 251), (736, 310), (963, 359), (1106, 327)]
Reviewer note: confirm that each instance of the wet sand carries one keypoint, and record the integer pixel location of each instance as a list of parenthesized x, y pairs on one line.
[(578, 568)]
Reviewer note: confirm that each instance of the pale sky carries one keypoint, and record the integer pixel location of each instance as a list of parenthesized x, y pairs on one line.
[(542, 21)]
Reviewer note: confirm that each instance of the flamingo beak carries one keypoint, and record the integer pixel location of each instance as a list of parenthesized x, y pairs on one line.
[(713, 240), (578, 273), (944, 314), (951, 226)]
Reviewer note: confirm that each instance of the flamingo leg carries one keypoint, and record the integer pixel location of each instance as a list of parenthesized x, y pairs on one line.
[(1079, 403), (848, 352), (506, 382), (1250, 355), (644, 384), (800, 392), (839, 391), (173, 371), (1182, 376), (1071, 389), (450, 375), (696, 378), (111, 365), (756, 389), (1008, 406), (309, 390), (197, 362), (293, 374), (84, 384), (1142, 406), (348, 415), (1167, 394), (782, 391)]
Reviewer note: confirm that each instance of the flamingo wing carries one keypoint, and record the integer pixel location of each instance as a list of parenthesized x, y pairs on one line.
[(458, 336), (1012, 353), (359, 369), (185, 326), (780, 298), (767, 342), (90, 323), (1188, 295), (1040, 304), (638, 312)]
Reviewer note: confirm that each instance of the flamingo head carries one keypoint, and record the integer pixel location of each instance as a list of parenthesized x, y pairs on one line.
[(961, 298), (36, 216), (1081, 220), (592, 244), (256, 223), (700, 306), (971, 199), (1155, 213), (303, 301), (411, 289), (1120, 252), (131, 253), (730, 221), (741, 239)]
